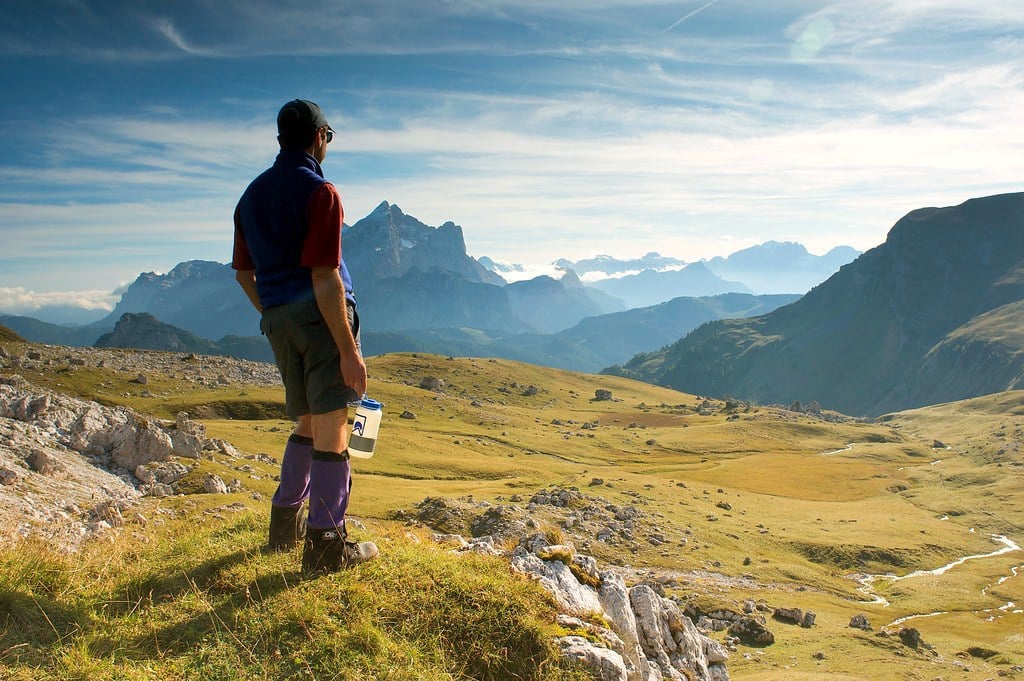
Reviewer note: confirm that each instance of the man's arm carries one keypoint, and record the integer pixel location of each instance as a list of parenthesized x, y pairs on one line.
[(247, 280), (330, 298)]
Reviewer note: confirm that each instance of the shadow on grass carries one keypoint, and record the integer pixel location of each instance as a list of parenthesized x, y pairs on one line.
[(31, 625)]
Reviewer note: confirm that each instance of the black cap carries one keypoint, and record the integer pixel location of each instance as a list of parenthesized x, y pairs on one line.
[(298, 121)]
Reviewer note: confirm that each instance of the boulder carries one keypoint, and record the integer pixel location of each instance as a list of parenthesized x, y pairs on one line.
[(214, 484), (860, 622), (788, 615), (752, 632), (432, 383), (911, 638), (43, 463), (139, 441), (555, 576)]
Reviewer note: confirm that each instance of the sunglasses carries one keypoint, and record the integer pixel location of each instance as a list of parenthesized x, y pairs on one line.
[(330, 135)]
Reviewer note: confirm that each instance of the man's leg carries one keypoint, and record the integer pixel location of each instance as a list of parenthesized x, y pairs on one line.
[(326, 549), (286, 525), (330, 476)]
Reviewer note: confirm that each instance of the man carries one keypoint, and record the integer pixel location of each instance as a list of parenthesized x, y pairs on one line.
[(287, 257)]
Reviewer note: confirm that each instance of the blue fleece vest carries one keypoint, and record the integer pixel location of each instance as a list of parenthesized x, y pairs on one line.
[(272, 213)]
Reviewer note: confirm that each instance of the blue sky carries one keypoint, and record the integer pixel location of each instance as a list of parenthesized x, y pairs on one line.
[(545, 129)]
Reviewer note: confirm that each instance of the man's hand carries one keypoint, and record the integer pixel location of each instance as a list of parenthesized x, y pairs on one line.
[(353, 371)]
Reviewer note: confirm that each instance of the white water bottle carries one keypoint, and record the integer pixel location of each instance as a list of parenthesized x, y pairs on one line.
[(365, 426)]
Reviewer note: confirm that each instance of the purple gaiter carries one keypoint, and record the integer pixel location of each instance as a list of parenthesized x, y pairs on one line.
[(294, 486), (329, 486)]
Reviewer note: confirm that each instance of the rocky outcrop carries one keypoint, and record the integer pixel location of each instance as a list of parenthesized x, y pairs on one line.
[(648, 637), (71, 469), (641, 635)]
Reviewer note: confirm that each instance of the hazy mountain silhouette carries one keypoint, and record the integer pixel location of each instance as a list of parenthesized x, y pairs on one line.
[(651, 287), (781, 267)]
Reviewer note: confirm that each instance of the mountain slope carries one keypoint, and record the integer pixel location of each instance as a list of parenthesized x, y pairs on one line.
[(9, 336), (36, 331), (598, 341), (860, 342), (550, 305), (199, 296)]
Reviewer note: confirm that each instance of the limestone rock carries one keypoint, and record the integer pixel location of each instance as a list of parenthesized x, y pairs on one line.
[(555, 576), (43, 463), (604, 664), (163, 473), (650, 636), (138, 442), (214, 484)]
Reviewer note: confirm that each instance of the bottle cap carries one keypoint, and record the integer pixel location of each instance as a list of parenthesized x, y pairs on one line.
[(370, 404)]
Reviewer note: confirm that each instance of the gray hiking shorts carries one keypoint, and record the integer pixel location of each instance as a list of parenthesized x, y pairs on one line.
[(307, 357)]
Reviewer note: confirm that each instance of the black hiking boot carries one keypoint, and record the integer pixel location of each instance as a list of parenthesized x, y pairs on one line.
[(287, 527), (328, 551)]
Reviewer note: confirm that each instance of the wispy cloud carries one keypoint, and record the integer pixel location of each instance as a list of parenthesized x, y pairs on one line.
[(690, 14), (545, 129), (165, 27)]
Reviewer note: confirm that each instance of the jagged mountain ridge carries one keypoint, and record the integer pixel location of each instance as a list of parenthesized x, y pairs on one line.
[(882, 333), (387, 244)]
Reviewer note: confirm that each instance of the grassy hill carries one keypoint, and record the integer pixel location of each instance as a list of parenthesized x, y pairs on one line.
[(6, 335), (753, 503)]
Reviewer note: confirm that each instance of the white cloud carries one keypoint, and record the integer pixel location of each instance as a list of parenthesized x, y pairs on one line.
[(20, 300)]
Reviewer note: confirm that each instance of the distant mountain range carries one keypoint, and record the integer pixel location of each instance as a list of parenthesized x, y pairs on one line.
[(609, 265), (419, 290), (932, 315), (651, 287), (592, 343)]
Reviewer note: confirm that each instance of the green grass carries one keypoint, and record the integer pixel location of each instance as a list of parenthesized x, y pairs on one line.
[(804, 514), (202, 600)]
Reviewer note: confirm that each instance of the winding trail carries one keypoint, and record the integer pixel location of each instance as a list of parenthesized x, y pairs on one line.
[(867, 581)]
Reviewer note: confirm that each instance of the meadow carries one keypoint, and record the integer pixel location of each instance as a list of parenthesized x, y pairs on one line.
[(754, 503)]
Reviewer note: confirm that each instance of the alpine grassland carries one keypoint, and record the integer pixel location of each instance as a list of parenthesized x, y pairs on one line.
[(755, 504)]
